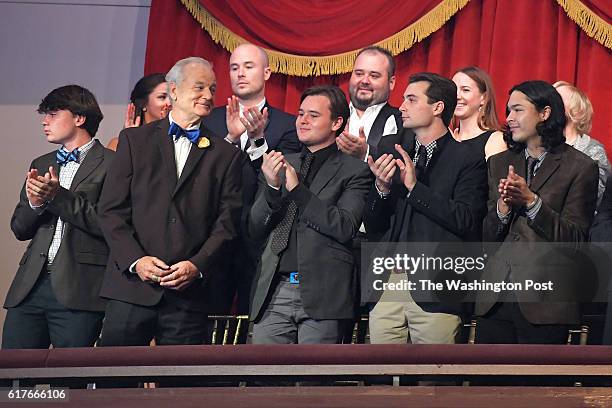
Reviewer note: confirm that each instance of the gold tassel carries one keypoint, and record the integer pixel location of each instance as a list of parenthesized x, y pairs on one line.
[(593, 25), (301, 65)]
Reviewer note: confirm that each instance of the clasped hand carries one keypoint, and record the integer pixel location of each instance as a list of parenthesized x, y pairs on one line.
[(513, 192), (177, 276), (274, 165), (385, 166), (252, 121), (41, 189)]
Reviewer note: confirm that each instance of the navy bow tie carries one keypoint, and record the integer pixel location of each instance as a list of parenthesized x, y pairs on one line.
[(63, 156), (177, 131)]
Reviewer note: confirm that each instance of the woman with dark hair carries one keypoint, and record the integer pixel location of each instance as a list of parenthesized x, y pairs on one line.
[(579, 112), (475, 119), (541, 192), (149, 101)]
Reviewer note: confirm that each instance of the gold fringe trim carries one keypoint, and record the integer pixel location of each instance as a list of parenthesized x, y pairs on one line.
[(593, 25), (300, 65)]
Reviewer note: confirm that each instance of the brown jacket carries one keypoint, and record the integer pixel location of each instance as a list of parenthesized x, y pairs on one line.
[(567, 184)]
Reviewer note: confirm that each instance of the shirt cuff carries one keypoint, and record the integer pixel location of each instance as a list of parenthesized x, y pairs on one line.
[(380, 193), (38, 209), (533, 210), (273, 197), (132, 268), (503, 218), (228, 140), (256, 152)]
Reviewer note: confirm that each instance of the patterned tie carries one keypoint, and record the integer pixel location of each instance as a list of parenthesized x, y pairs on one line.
[(177, 131), (421, 163), (63, 156), (280, 235), (531, 165)]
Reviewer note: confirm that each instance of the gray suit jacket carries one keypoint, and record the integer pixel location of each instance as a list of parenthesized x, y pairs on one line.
[(78, 268), (567, 184), (326, 225)]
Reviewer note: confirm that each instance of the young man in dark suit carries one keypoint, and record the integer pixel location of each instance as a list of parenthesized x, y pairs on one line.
[(541, 190), (438, 194), (253, 126), (308, 207), (169, 211), (53, 299)]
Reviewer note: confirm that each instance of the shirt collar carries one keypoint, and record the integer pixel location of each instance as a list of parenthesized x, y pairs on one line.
[(373, 109), (323, 153), (527, 155), (430, 147), (84, 149), (192, 127)]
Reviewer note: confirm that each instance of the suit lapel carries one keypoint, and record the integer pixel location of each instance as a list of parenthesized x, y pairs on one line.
[(378, 126), (51, 163), (166, 149), (519, 163), (195, 155), (92, 160), (267, 105), (547, 169), (326, 173)]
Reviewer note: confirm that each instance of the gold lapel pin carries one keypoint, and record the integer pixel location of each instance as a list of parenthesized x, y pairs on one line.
[(203, 142)]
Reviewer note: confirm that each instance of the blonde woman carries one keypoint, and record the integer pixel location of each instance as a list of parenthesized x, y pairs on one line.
[(579, 112)]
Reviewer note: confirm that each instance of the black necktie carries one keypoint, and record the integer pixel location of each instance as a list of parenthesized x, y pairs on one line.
[(531, 165), (280, 235), (421, 163)]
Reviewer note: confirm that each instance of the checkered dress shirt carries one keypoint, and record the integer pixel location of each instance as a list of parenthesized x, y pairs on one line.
[(66, 175)]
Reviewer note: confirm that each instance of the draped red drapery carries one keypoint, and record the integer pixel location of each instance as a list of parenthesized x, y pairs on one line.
[(514, 40)]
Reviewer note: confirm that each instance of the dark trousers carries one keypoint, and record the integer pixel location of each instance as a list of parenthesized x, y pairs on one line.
[(505, 324), (40, 321), (127, 324)]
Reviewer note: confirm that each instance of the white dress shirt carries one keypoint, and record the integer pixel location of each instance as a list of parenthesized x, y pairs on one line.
[(367, 120), (182, 146)]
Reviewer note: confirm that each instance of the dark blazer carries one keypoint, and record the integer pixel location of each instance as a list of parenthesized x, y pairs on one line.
[(78, 267), (145, 210), (567, 184), (326, 226), (601, 231), (447, 207), (280, 135), (378, 127)]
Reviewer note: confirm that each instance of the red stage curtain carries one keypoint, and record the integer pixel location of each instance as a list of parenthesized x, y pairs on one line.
[(514, 40)]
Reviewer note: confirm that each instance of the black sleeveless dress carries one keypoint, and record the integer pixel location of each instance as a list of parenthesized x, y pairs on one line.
[(479, 142)]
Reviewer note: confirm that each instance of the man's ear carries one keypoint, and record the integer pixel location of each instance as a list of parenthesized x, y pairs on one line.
[(267, 73), (172, 91), (337, 123), (79, 120), (438, 108), (545, 113), (392, 82)]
